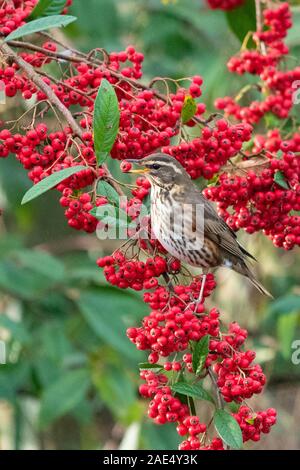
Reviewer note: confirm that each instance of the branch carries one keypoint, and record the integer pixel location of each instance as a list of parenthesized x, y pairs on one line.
[(66, 85), (216, 388), (258, 16), (39, 82), (80, 57), (218, 394), (54, 55), (109, 178), (259, 23)]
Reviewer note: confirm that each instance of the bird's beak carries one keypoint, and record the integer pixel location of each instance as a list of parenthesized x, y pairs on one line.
[(141, 170)]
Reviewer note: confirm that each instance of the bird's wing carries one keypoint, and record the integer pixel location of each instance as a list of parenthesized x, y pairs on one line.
[(215, 228)]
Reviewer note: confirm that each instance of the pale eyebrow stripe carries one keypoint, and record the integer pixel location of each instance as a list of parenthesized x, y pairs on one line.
[(163, 163)]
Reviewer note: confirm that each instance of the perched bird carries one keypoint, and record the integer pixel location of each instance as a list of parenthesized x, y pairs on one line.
[(187, 224)]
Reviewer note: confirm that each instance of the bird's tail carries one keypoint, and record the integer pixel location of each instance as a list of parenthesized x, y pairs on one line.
[(259, 286), (242, 268)]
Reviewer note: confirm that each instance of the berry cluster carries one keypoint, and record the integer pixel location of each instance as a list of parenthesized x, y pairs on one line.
[(137, 275), (276, 86), (14, 12), (259, 201), (253, 424), (170, 330), (148, 123), (237, 379), (249, 61), (160, 298), (174, 327), (143, 186), (78, 210), (204, 156), (42, 154), (277, 22), (256, 200), (165, 408)]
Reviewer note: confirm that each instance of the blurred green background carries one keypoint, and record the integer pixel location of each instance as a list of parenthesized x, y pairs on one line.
[(71, 376)]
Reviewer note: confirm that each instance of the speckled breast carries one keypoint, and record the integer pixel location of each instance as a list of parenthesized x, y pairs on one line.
[(173, 224)]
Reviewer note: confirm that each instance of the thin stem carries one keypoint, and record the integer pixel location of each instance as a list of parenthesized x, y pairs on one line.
[(258, 16), (216, 389), (63, 84), (218, 395), (259, 24), (109, 178), (80, 57), (54, 55), (39, 82)]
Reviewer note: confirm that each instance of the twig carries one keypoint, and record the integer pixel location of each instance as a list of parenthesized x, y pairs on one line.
[(39, 82), (259, 24), (258, 16), (168, 282), (109, 178), (55, 55), (96, 62), (63, 84), (218, 395), (216, 388)]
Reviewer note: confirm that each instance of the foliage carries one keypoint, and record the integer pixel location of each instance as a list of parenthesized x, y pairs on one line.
[(64, 327)]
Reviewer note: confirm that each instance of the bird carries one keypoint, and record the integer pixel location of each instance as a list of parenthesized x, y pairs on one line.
[(187, 224)]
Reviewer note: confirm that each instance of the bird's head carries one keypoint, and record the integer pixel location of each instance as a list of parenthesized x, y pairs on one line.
[(161, 169)]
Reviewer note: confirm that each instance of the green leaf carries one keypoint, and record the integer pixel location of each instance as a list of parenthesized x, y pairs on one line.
[(189, 109), (47, 8), (45, 371), (106, 190), (279, 178), (56, 7), (286, 328), (63, 395), (115, 388), (42, 263), (40, 9), (272, 121), (241, 20), (279, 154), (284, 305), (41, 24), (234, 407), (147, 365), (105, 121), (87, 275), (194, 391), (13, 377), (17, 329), (50, 182), (200, 353), (106, 310), (53, 342), (228, 429), (158, 437), (84, 412), (213, 181), (22, 283)]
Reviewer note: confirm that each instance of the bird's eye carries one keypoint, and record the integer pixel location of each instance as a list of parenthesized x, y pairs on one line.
[(155, 166)]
